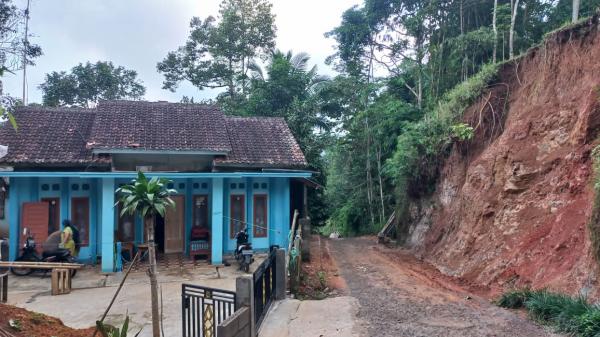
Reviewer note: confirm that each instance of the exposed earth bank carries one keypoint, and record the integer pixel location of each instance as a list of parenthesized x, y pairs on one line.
[(513, 205)]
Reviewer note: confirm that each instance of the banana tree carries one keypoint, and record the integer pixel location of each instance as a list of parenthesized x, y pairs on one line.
[(148, 198)]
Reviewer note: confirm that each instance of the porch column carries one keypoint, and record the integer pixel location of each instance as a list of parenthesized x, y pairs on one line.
[(108, 224), (13, 218), (217, 221)]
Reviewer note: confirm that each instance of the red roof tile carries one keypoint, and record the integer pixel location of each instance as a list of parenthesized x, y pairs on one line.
[(159, 126), (68, 136), (261, 142), (49, 136)]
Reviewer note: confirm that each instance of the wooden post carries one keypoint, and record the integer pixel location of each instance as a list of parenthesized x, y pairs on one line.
[(61, 281)]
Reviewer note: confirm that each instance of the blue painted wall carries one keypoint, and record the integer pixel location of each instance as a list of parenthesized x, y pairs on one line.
[(104, 218)]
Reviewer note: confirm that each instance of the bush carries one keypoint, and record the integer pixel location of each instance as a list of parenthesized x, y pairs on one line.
[(573, 315), (423, 145), (514, 299)]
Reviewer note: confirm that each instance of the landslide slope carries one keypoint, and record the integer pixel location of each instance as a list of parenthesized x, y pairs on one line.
[(513, 204)]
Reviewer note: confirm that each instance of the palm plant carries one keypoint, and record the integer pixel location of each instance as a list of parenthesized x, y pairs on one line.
[(148, 198)]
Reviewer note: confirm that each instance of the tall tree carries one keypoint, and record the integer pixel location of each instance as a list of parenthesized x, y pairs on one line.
[(218, 54), (513, 19), (148, 198), (575, 15), (88, 83)]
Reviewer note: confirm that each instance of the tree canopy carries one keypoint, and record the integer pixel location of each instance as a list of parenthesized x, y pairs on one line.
[(219, 51), (88, 83)]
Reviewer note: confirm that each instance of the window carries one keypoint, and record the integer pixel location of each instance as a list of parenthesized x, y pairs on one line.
[(126, 229), (200, 211), (237, 214), (53, 214), (261, 226), (80, 217)]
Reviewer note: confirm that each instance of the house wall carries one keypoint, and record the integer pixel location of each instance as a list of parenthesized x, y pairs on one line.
[(103, 217)]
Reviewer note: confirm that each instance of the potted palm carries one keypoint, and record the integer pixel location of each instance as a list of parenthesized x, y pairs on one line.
[(148, 198)]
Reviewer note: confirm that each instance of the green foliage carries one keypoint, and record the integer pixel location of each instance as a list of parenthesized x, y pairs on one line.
[(218, 54), (88, 83), (594, 222), (572, 315), (514, 299), (107, 330), (12, 46), (421, 146), (146, 197), (462, 131)]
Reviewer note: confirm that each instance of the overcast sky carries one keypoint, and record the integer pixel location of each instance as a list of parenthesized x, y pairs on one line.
[(139, 33)]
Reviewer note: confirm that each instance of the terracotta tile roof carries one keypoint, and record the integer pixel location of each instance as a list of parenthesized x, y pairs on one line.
[(159, 126), (67, 136), (49, 136), (261, 142)]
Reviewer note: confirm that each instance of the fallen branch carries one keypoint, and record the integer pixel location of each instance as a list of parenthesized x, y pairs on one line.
[(135, 258)]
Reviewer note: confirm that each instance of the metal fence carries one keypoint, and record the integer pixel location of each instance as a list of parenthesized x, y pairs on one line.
[(264, 288), (204, 308)]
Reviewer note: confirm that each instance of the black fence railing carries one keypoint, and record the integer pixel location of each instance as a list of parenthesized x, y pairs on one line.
[(204, 308), (264, 288)]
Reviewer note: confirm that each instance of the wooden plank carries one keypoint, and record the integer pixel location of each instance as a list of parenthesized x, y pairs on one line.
[(40, 265)]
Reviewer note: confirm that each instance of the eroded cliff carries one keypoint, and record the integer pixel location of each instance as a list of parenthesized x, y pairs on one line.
[(512, 205)]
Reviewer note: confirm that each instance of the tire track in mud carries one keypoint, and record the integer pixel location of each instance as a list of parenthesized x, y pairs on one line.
[(400, 297)]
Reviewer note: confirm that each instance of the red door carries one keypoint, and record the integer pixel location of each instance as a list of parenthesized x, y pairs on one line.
[(35, 217)]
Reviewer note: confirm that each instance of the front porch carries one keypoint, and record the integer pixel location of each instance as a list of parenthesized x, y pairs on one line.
[(222, 203)]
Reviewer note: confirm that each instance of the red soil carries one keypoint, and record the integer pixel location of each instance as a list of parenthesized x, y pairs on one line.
[(513, 204), (35, 324)]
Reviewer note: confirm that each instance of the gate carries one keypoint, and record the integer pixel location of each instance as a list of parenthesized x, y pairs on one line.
[(204, 308), (264, 288)]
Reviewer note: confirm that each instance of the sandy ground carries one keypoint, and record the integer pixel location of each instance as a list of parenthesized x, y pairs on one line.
[(378, 291), (93, 291)]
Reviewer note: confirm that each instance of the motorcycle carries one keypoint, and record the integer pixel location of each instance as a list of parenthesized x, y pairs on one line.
[(51, 253), (244, 253)]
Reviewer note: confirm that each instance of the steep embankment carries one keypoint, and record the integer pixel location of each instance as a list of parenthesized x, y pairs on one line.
[(512, 205)]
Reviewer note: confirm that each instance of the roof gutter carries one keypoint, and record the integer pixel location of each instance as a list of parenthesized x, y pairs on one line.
[(163, 152), (169, 175)]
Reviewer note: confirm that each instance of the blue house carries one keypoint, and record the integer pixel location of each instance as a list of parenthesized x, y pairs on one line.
[(230, 172)]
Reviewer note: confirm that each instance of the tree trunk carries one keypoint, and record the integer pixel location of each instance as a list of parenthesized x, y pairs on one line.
[(495, 31), (152, 274), (575, 16), (380, 184), (511, 37)]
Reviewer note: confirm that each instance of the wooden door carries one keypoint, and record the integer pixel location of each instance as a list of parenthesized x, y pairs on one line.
[(175, 225), (237, 214), (53, 214), (80, 218), (35, 218)]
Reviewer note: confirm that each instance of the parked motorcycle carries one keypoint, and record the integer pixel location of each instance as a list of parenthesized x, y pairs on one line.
[(244, 253), (50, 253)]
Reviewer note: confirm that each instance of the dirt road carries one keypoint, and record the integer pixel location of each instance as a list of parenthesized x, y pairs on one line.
[(401, 296)]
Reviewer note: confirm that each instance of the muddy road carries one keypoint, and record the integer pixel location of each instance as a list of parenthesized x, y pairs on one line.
[(401, 296)]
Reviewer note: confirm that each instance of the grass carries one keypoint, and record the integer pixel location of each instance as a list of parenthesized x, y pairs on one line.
[(567, 314)]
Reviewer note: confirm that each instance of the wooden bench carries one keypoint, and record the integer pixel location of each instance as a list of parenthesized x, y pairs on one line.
[(61, 273)]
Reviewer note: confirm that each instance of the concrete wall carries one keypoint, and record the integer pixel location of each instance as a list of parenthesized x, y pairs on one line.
[(237, 325)]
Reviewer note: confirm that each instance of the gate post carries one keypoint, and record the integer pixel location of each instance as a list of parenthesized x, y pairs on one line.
[(244, 297), (280, 274)]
